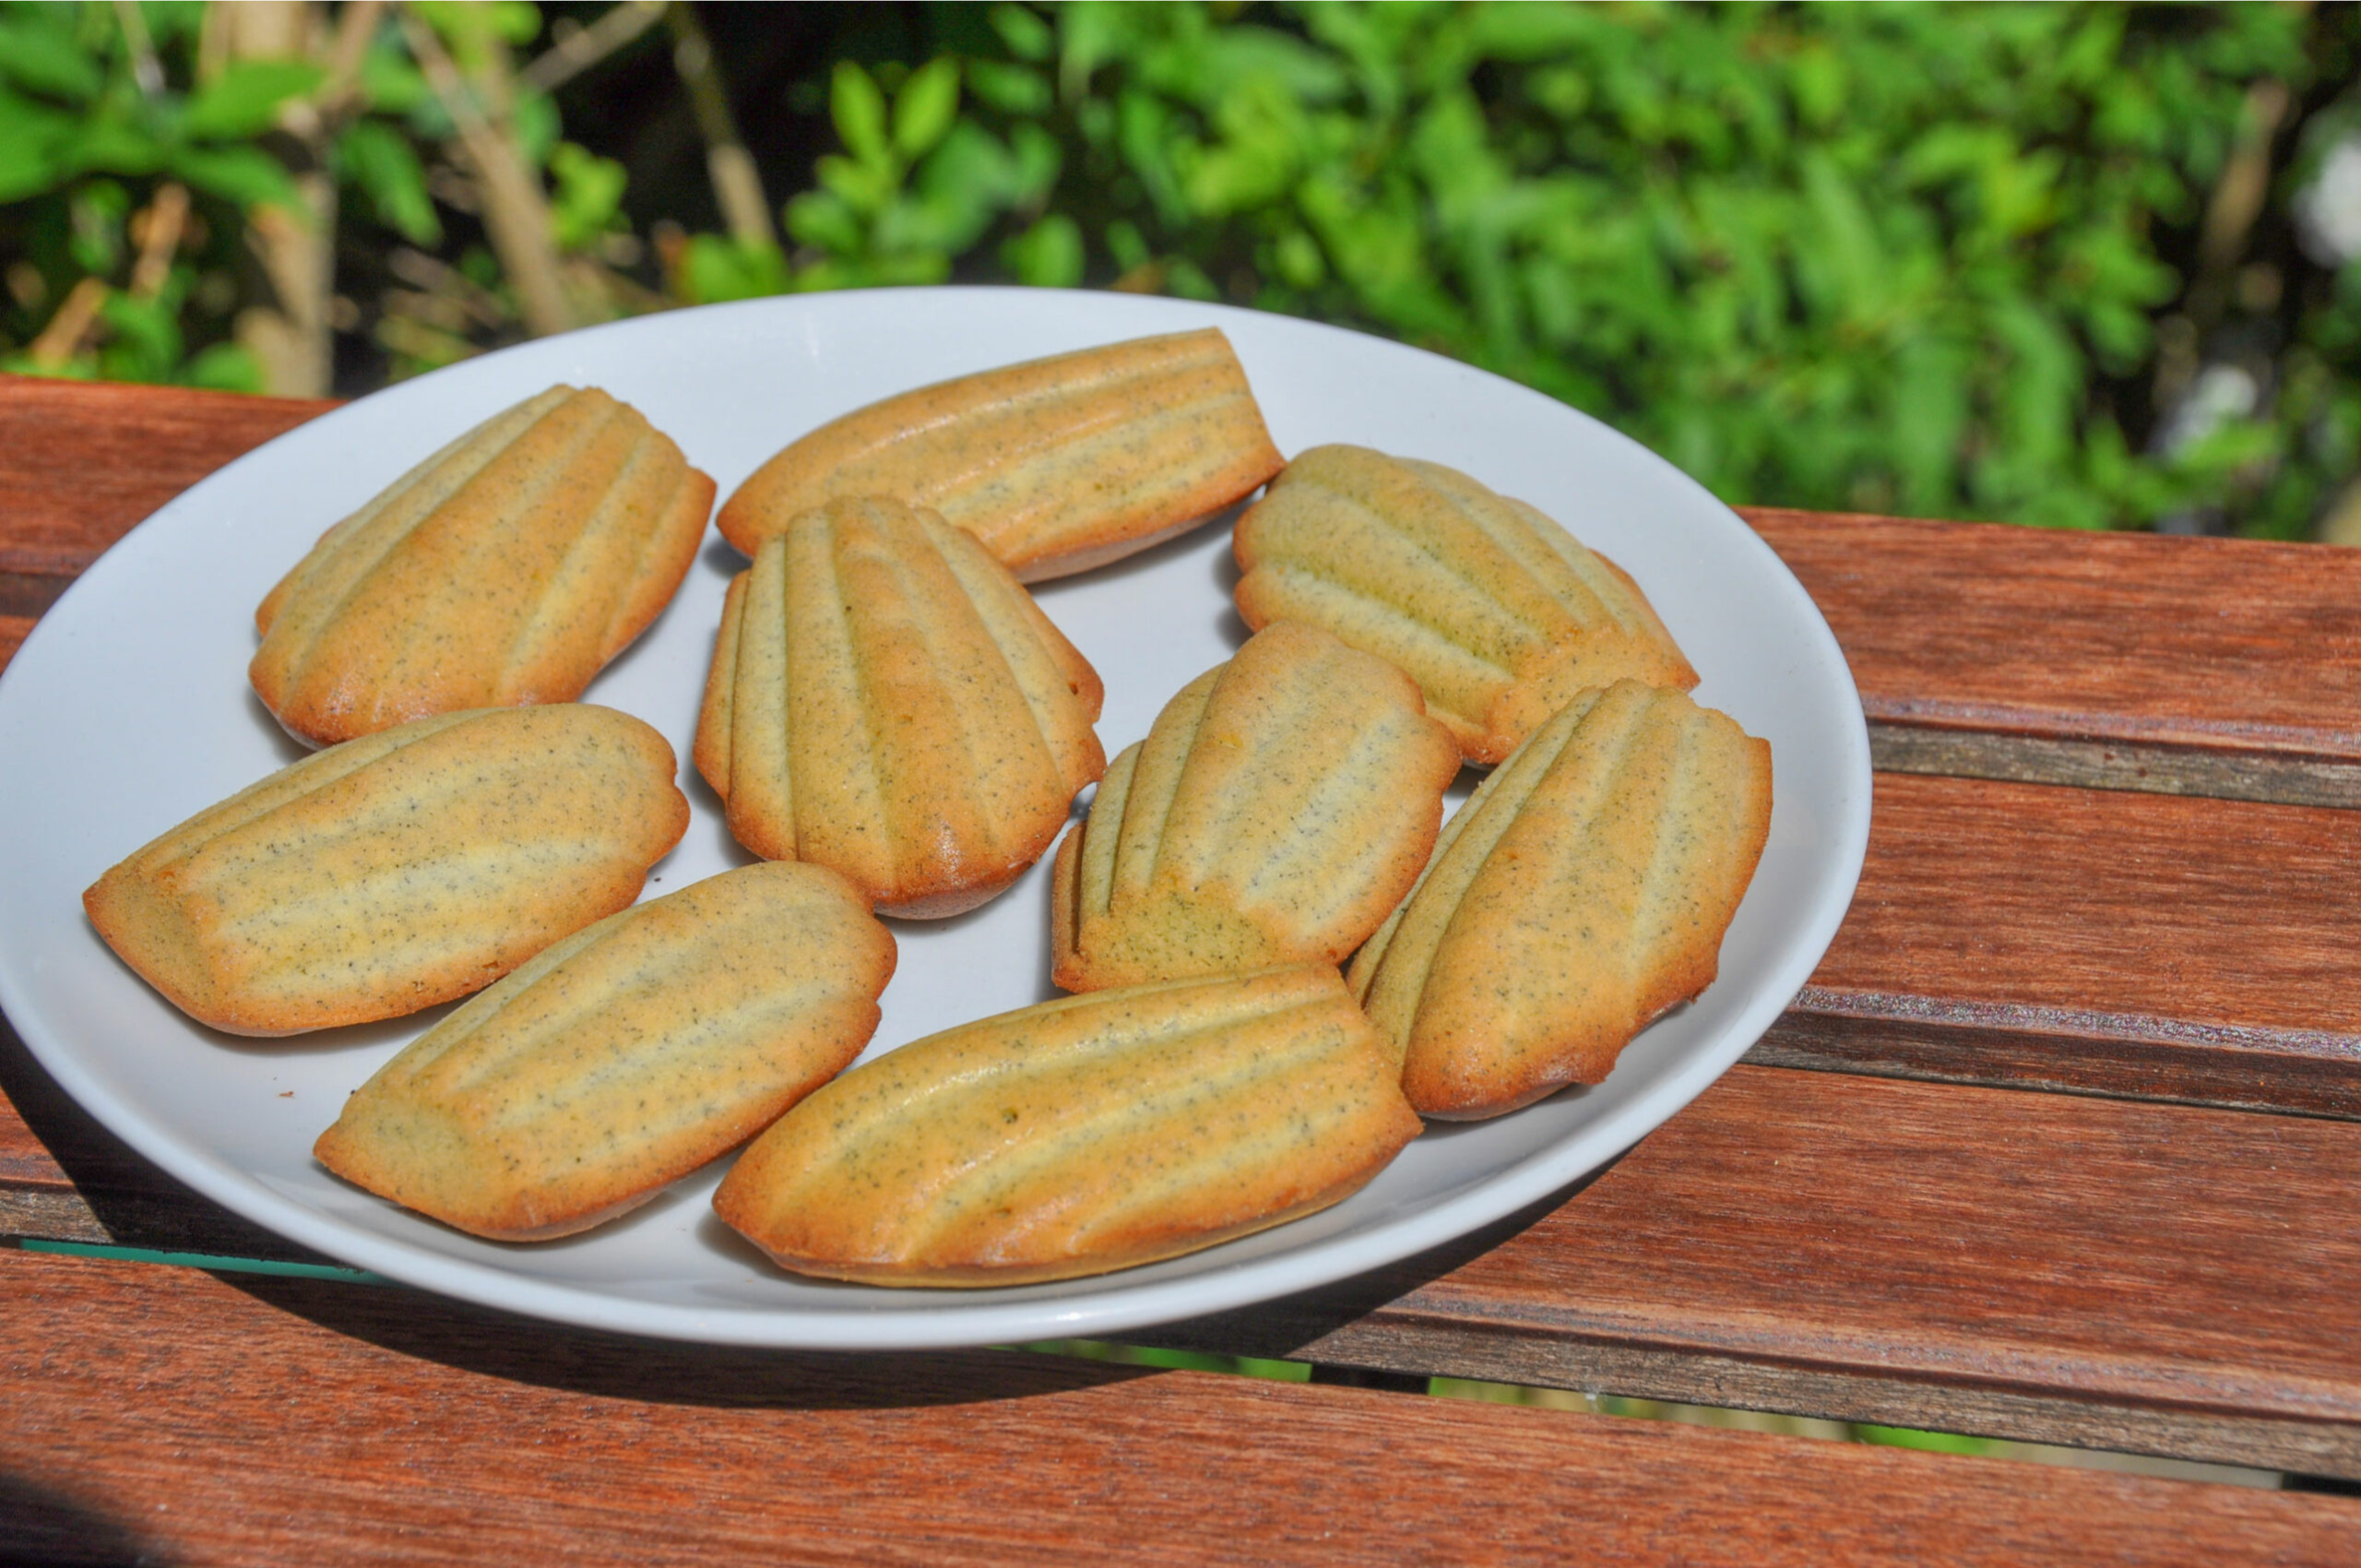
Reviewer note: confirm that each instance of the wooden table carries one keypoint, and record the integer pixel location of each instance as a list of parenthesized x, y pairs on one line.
[(2058, 1144)]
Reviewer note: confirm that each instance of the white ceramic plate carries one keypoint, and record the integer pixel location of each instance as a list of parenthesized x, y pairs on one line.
[(128, 710)]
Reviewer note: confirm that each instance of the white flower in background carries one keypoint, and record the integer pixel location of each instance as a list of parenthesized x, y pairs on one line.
[(2222, 394), (2328, 211)]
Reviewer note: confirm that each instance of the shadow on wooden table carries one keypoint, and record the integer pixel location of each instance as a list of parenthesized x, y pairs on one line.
[(47, 1529), (136, 1204), (500, 1345)]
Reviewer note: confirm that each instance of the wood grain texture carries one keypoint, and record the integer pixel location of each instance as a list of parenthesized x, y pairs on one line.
[(2096, 1272), (2100, 941), (2229, 644), (403, 1428), (2041, 1266), (2155, 1278), (2097, 940), (80, 462)]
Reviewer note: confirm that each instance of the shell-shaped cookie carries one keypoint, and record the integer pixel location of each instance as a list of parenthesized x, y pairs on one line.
[(397, 871), (623, 1057), (1058, 465), (1280, 807), (1581, 892), (507, 569), (1079, 1136), (886, 700), (1497, 612)]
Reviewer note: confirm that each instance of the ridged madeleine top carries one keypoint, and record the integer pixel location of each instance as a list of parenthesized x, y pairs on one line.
[(623, 1057), (507, 569), (1079, 1136), (1582, 891), (1057, 465), (1280, 807), (397, 871), (1497, 612), (886, 700)]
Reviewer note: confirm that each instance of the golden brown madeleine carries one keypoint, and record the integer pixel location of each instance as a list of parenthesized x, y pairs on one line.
[(507, 569), (1281, 806), (622, 1057), (1076, 1136), (1581, 892), (1497, 612), (397, 871), (886, 700), (1058, 465)]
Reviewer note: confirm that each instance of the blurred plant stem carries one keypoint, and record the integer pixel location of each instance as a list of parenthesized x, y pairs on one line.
[(736, 184), (516, 210), (62, 339), (293, 244), (579, 50)]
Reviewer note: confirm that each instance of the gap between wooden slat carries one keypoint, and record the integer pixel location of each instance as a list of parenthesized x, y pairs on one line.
[(2096, 941), (2296, 1071), (2228, 774), (2233, 644), (2096, 1273)]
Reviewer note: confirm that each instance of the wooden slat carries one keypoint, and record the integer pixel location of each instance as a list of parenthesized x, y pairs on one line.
[(400, 1429), (81, 462), (2223, 667), (2105, 1273), (2099, 941), (2100, 1273)]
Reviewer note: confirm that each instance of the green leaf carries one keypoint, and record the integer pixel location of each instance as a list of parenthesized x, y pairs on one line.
[(824, 222), (1297, 260), (113, 146), (716, 267), (925, 107), (864, 187), (32, 143), (961, 189), (858, 106), (96, 212), (38, 54), (223, 367), (469, 26), (1126, 245), (390, 82), (1039, 159), (1937, 1442), (245, 100), (147, 338), (588, 199), (1186, 279), (535, 119), (1012, 90), (1047, 255), (1528, 29), (1027, 35), (380, 161), (244, 175)]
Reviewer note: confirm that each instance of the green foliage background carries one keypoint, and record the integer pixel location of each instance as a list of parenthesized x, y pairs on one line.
[(1934, 259)]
